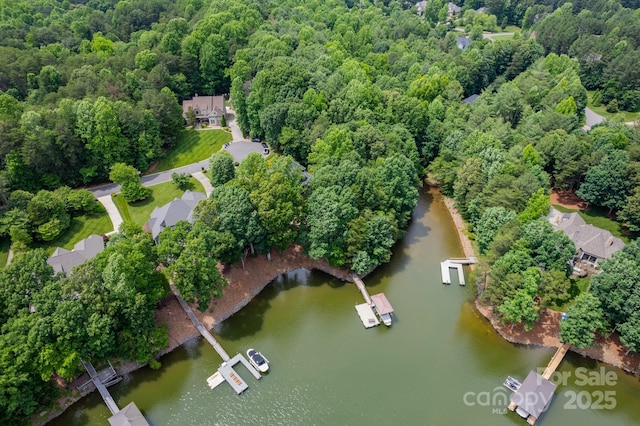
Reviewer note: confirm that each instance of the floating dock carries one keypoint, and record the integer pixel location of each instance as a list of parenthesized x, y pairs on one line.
[(226, 370), (455, 263), (367, 316)]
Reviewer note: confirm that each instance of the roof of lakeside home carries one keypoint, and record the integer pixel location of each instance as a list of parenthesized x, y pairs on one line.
[(63, 260), (534, 394), (471, 99), (173, 212), (420, 7), (204, 106), (588, 238), (463, 42), (453, 8)]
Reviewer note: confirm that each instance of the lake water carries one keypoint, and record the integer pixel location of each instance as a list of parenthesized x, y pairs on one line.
[(441, 363)]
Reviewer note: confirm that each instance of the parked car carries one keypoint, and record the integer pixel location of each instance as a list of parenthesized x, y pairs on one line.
[(265, 148), (256, 139)]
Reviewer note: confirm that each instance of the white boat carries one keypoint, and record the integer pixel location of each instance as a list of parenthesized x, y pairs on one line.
[(386, 319), (259, 361)]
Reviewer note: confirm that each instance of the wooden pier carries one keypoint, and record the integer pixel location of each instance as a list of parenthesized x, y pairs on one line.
[(226, 371), (203, 331), (104, 393), (360, 284), (555, 361)]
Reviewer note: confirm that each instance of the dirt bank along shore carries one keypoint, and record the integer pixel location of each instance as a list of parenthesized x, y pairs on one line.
[(546, 331)]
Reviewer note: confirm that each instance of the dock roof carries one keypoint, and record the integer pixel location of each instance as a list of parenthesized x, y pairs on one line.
[(382, 304), (534, 395), (128, 416)]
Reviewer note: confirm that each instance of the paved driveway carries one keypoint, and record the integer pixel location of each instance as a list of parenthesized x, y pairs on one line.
[(241, 149)]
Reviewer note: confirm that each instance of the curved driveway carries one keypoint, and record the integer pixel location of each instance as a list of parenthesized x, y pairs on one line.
[(240, 151)]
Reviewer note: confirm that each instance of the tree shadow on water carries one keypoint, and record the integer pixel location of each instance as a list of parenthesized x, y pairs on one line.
[(249, 320)]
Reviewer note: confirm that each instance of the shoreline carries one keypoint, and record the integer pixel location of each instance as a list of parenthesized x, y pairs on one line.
[(242, 286), (546, 331)]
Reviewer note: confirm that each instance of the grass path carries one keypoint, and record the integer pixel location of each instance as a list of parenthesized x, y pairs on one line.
[(625, 116), (81, 227)]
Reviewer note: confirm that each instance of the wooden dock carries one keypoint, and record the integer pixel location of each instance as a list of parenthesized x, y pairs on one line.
[(360, 284), (555, 361), (104, 393), (445, 269), (367, 316), (203, 331)]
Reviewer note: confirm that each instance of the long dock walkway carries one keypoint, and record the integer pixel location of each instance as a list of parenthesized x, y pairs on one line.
[(104, 393), (363, 289), (555, 361), (205, 333)]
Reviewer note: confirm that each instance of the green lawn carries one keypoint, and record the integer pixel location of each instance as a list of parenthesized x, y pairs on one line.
[(81, 227), (624, 115), (597, 217), (193, 146), (161, 194)]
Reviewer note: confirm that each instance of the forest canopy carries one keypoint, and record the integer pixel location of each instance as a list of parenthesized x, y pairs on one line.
[(369, 97)]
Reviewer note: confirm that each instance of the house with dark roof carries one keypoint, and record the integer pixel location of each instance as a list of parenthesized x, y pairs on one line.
[(208, 109), (171, 213), (452, 10), (463, 42), (592, 244), (471, 99), (63, 260), (532, 397)]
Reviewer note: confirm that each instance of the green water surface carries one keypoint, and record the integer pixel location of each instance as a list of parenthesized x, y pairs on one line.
[(440, 363)]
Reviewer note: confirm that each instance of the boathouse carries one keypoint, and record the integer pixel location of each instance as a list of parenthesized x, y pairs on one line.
[(128, 416), (533, 397)]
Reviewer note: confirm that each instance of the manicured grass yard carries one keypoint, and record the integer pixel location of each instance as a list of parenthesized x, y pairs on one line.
[(161, 194), (193, 146), (597, 217), (81, 227), (628, 116)]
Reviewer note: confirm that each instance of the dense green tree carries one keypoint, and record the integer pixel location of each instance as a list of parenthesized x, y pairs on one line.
[(606, 183), (491, 221), (221, 168), (584, 319), (129, 180)]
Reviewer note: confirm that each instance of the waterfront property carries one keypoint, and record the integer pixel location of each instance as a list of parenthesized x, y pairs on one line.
[(173, 212), (63, 260), (592, 244), (532, 397)]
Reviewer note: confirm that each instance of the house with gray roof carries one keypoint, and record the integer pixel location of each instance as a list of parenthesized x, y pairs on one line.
[(63, 260), (421, 6), (463, 42), (173, 212), (208, 109), (592, 244), (532, 397), (471, 99), (452, 10)]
